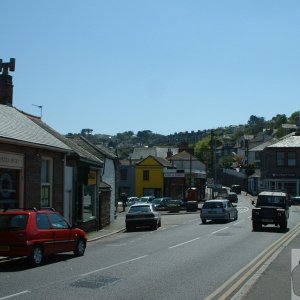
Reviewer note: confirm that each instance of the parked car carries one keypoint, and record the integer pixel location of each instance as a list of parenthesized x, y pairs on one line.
[(147, 199), (232, 197), (38, 233), (174, 205), (236, 188), (142, 215), (218, 209), (132, 200), (161, 203), (295, 200)]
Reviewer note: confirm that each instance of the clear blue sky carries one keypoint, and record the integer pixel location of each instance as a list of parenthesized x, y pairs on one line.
[(160, 65)]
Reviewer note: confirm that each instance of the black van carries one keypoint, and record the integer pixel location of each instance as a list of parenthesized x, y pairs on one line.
[(236, 189)]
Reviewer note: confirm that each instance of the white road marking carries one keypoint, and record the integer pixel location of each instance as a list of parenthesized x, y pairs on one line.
[(15, 295), (238, 222), (181, 244), (112, 266), (219, 230)]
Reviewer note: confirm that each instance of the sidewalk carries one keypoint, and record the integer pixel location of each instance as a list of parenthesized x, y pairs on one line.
[(115, 226)]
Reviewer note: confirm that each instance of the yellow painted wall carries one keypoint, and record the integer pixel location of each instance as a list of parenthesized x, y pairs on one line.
[(156, 176)]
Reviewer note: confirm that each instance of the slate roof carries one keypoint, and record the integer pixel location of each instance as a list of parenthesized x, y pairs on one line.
[(183, 155), (17, 127), (73, 147), (262, 146), (162, 161), (289, 142)]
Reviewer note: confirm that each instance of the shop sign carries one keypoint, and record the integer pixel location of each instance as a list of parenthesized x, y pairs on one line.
[(11, 161), (92, 178), (174, 175)]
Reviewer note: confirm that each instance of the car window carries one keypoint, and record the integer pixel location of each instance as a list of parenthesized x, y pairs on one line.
[(58, 222), (213, 205), (13, 221), (42, 221), (139, 209)]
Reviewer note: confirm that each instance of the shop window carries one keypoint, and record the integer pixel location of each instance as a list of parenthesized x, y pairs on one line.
[(291, 159), (146, 175), (89, 202), (46, 182), (280, 159)]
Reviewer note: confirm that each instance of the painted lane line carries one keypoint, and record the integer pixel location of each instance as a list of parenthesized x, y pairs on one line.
[(15, 295), (112, 266), (219, 230), (184, 243), (236, 223)]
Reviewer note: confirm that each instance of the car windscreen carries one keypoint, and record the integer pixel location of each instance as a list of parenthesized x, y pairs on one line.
[(213, 205), (13, 221), (264, 200), (134, 209)]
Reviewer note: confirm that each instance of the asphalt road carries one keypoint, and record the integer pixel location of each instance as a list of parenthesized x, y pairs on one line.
[(184, 259)]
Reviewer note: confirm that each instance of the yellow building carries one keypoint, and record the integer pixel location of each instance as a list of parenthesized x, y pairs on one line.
[(149, 176)]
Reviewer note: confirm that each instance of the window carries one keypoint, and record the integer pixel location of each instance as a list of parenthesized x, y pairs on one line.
[(280, 159), (57, 222), (291, 159), (42, 221), (146, 175), (46, 182)]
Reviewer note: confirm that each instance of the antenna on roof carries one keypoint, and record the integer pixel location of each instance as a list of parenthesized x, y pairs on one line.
[(40, 107)]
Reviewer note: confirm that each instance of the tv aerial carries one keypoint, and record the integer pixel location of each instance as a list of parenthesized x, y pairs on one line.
[(40, 107)]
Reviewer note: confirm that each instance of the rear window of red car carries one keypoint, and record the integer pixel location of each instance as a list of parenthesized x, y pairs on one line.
[(11, 221)]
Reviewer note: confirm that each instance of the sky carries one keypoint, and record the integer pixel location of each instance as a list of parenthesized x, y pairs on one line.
[(161, 65)]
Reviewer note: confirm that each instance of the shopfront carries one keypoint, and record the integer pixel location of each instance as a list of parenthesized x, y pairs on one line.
[(11, 180)]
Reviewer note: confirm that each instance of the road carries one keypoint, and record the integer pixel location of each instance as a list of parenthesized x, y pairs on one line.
[(184, 259)]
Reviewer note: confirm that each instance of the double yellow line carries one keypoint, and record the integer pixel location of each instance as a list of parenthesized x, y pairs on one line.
[(234, 283)]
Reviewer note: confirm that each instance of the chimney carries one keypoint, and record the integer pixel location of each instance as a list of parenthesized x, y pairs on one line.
[(169, 153), (6, 86)]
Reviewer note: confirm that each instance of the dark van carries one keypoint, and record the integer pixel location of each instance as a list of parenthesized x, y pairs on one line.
[(235, 188)]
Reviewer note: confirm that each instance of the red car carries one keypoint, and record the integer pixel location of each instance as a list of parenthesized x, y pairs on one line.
[(37, 233)]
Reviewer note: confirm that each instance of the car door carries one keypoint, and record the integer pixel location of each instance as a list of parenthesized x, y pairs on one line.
[(63, 238), (45, 233)]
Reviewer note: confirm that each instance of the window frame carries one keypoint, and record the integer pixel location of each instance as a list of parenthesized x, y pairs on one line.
[(46, 182)]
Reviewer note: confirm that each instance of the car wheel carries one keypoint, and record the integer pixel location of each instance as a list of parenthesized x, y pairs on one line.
[(37, 256), (155, 226), (80, 247), (236, 217), (203, 221), (283, 225), (129, 228), (159, 223)]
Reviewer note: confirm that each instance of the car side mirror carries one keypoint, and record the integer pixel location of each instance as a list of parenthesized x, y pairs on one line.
[(252, 202)]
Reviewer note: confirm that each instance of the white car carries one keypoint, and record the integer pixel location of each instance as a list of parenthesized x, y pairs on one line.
[(142, 215), (218, 209)]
